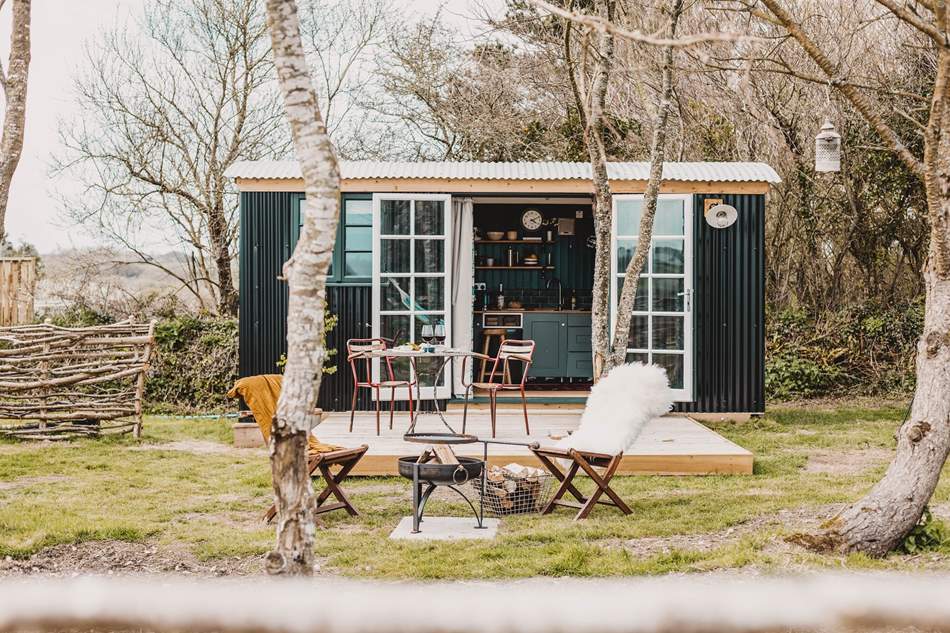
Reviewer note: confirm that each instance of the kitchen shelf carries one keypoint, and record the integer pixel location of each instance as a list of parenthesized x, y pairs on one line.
[(538, 242), (514, 268)]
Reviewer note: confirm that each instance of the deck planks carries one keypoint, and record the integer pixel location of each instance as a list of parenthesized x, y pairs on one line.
[(671, 445)]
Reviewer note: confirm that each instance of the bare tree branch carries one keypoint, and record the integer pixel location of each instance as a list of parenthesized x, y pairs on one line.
[(603, 25), (930, 30), (855, 96)]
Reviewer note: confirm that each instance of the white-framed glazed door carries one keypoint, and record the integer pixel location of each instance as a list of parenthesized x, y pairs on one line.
[(412, 269), (661, 330)]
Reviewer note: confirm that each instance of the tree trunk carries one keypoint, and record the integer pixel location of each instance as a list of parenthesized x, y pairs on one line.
[(603, 202), (306, 275), (14, 90), (221, 251), (628, 293), (880, 521)]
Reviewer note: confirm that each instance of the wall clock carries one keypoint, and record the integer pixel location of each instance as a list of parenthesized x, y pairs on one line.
[(531, 219)]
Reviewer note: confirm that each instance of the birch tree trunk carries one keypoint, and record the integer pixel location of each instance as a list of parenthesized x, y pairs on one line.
[(879, 522), (603, 202), (628, 293), (306, 274), (14, 81)]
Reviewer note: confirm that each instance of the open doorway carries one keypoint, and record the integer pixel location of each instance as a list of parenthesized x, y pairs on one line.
[(533, 275)]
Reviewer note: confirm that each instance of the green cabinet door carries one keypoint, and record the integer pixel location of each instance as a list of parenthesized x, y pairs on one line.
[(549, 333), (579, 362)]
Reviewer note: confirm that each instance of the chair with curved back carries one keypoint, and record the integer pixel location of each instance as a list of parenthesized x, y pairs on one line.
[(356, 355), (511, 350)]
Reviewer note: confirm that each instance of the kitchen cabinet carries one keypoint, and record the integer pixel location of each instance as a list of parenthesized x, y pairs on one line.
[(562, 344)]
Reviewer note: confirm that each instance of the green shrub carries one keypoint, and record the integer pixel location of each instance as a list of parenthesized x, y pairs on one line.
[(866, 349), (195, 364), (789, 376), (929, 533)]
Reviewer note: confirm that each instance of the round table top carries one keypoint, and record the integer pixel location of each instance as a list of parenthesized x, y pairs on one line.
[(411, 353)]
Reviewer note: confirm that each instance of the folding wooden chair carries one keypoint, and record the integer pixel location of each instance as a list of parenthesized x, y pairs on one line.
[(346, 459), (588, 462)]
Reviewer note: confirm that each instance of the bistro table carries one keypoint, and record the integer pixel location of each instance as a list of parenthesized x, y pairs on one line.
[(439, 474), (440, 357)]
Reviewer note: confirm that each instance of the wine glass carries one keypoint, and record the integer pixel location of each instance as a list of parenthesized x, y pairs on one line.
[(427, 333), (439, 334)]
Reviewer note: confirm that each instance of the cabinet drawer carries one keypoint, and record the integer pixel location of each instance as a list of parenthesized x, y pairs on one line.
[(580, 365), (579, 319), (578, 338)]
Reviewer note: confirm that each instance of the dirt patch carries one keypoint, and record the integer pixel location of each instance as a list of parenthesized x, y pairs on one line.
[(23, 482), (118, 557), (196, 447), (846, 462), (792, 519)]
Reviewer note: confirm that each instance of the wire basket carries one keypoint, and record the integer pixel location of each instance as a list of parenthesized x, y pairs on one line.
[(514, 491)]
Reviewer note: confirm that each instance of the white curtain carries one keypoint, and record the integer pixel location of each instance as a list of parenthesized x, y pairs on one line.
[(462, 280)]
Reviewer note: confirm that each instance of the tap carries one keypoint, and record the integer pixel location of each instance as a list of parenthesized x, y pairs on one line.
[(560, 290)]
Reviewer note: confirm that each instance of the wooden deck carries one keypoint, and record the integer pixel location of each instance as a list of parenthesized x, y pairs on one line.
[(671, 445)]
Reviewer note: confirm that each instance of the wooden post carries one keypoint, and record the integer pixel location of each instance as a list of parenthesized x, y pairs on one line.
[(45, 392), (17, 289), (140, 381)]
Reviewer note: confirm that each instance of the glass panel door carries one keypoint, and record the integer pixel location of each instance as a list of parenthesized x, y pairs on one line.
[(411, 275), (661, 328)]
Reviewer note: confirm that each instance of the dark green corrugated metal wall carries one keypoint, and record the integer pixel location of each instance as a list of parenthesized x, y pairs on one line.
[(728, 309), (269, 227)]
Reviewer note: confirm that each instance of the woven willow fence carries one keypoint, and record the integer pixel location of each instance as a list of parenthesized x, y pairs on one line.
[(60, 383)]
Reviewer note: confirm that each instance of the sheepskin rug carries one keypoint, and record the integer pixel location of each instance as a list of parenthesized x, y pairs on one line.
[(619, 406)]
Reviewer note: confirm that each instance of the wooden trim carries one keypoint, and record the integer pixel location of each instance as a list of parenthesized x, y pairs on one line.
[(385, 465), (472, 186)]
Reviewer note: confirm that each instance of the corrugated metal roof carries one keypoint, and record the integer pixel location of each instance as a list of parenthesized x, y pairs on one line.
[(356, 170)]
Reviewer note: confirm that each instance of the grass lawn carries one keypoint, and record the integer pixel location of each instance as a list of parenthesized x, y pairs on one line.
[(183, 496)]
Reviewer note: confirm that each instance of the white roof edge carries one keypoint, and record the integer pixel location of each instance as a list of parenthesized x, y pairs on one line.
[(356, 170)]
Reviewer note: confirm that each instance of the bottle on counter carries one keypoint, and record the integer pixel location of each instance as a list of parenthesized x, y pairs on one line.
[(500, 301), (573, 300)]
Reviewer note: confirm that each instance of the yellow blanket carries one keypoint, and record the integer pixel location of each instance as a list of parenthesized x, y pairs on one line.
[(261, 394)]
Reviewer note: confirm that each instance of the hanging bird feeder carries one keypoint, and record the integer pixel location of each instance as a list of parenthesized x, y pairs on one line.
[(828, 149)]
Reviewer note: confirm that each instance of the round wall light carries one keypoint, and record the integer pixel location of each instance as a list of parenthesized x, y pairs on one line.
[(721, 216)]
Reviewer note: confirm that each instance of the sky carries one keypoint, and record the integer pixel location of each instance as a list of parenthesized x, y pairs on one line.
[(59, 31)]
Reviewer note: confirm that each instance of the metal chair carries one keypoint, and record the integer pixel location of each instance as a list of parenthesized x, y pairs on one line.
[(356, 350), (510, 350)]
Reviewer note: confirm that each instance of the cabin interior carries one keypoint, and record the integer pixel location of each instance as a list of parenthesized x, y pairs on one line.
[(534, 269)]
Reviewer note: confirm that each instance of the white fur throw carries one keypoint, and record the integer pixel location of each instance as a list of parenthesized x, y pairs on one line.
[(619, 406)]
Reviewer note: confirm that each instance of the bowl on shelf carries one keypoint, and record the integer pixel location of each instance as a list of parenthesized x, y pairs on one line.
[(511, 235), (495, 235)]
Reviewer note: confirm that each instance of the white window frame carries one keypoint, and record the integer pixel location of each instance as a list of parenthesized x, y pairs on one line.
[(686, 393), (444, 390)]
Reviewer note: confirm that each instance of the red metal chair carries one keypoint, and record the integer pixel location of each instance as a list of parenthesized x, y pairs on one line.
[(356, 350), (510, 350)]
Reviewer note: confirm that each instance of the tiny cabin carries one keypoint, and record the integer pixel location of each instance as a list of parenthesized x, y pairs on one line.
[(492, 250)]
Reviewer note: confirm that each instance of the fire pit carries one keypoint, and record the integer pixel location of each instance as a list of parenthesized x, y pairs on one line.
[(432, 475)]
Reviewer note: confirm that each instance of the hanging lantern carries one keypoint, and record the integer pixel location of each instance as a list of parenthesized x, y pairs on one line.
[(828, 149)]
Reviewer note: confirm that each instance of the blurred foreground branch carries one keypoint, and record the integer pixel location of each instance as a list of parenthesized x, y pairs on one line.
[(711, 603)]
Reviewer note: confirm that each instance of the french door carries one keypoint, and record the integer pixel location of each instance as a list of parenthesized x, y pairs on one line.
[(661, 330), (412, 269)]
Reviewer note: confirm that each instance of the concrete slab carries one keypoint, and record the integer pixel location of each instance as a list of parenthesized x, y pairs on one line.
[(445, 529)]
